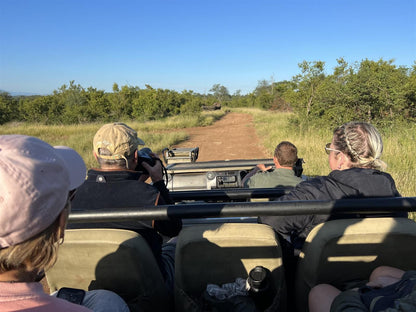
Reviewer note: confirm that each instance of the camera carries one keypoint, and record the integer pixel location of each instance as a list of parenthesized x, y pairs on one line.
[(298, 168), (144, 155)]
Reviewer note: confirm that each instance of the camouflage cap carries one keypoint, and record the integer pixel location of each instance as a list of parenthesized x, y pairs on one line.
[(118, 138)]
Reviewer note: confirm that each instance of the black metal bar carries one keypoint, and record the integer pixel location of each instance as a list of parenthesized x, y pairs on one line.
[(230, 194), (214, 165), (248, 209)]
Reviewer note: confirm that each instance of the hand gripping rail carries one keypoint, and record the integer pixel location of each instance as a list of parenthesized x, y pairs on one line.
[(248, 209)]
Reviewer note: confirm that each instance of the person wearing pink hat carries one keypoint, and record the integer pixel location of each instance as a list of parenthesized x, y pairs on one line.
[(37, 181)]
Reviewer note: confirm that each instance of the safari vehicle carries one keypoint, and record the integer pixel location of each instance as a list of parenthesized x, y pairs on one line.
[(222, 241), (185, 173)]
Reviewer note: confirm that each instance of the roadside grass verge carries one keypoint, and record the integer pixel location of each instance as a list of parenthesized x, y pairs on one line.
[(399, 146), (205, 118), (271, 127), (80, 137)]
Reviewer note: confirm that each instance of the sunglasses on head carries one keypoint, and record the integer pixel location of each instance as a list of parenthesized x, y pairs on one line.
[(328, 149)]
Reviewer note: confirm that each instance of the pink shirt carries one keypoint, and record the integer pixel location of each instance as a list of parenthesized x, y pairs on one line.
[(30, 296)]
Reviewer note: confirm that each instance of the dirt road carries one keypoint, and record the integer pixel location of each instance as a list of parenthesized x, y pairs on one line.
[(232, 137)]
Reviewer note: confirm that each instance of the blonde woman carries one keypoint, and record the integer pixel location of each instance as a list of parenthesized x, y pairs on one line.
[(354, 156)]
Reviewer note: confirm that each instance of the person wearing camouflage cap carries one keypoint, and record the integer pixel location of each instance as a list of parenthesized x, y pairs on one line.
[(116, 141), (117, 183)]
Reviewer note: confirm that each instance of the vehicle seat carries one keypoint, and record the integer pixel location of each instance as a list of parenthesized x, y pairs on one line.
[(220, 253), (112, 259), (344, 252)]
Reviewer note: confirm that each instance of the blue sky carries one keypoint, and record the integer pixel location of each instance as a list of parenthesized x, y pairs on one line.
[(193, 44)]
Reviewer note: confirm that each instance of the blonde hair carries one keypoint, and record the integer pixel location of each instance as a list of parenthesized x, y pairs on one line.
[(362, 143), (35, 254)]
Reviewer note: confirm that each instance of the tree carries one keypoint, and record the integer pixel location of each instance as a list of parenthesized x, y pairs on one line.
[(220, 92), (373, 91), (190, 103), (121, 101), (283, 92), (263, 94), (8, 107), (69, 103), (98, 107), (410, 94), (38, 109), (378, 90), (308, 83)]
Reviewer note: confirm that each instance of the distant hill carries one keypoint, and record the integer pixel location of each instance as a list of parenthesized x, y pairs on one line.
[(19, 93)]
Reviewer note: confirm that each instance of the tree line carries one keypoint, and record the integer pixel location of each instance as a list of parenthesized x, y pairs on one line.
[(374, 91)]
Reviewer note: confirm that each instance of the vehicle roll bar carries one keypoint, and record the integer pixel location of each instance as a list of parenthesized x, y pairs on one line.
[(230, 194), (248, 209), (218, 164)]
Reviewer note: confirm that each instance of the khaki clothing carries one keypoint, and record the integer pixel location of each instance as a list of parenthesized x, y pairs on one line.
[(278, 177)]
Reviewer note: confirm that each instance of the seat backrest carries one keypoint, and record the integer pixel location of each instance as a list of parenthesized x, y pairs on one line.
[(112, 259), (220, 253), (342, 252)]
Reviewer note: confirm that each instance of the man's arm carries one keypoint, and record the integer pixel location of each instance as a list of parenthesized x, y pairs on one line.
[(252, 172), (156, 174), (172, 226)]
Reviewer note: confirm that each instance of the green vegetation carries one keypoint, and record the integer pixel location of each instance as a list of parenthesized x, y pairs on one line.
[(271, 127), (310, 105), (182, 121), (80, 137), (74, 104), (399, 146), (375, 91)]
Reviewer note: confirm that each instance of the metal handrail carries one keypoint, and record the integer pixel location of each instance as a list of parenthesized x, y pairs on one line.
[(248, 209), (230, 194)]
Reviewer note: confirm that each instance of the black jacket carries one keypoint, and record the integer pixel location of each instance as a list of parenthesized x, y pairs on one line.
[(339, 184), (121, 189)]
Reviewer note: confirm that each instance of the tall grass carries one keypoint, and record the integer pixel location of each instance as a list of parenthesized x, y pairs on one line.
[(181, 121), (399, 147), (80, 137), (400, 155), (271, 127)]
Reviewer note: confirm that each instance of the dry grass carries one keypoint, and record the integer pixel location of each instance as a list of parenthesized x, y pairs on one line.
[(399, 147), (80, 137), (399, 143)]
